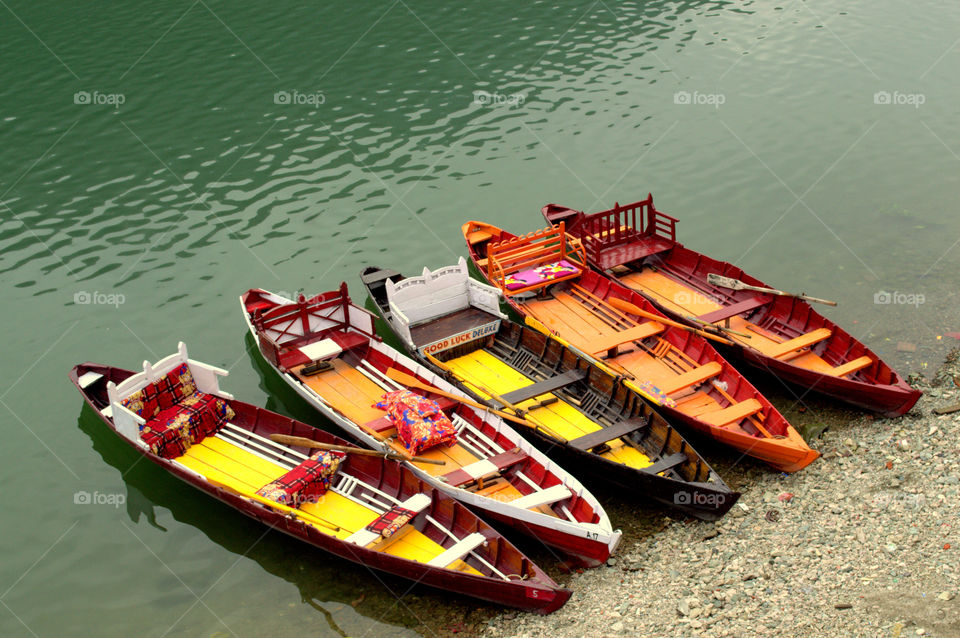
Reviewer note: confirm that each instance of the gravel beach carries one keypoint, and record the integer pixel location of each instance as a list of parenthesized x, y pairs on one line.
[(863, 542)]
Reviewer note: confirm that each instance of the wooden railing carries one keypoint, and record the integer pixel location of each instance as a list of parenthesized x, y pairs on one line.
[(511, 256), (623, 225)]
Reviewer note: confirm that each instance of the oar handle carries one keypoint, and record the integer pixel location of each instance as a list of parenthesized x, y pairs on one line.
[(626, 306), (310, 443), (817, 300)]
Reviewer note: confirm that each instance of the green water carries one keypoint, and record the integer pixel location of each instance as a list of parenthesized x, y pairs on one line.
[(160, 210)]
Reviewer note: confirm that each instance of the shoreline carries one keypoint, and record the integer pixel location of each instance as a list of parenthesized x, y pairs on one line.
[(864, 541)]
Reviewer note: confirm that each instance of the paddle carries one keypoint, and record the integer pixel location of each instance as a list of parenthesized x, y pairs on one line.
[(736, 284), (413, 382), (707, 325), (626, 306), (310, 443), (310, 518)]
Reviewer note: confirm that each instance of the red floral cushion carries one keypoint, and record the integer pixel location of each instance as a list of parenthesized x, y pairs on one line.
[(421, 423)]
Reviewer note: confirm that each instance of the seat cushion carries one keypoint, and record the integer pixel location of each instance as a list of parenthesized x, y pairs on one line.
[(421, 424), (540, 274), (306, 482), (173, 430)]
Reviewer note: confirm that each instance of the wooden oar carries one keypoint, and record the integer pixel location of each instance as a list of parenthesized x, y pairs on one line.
[(626, 306), (310, 443), (736, 284), (707, 325), (413, 382), (310, 518)]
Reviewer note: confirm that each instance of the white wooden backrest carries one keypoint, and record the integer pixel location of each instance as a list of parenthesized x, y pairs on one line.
[(127, 422), (438, 293)]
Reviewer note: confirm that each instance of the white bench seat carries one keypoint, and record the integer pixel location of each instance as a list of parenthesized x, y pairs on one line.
[(542, 497), (458, 550)]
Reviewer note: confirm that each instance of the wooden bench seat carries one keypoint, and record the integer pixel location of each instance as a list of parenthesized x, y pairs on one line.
[(803, 341), (687, 379), (542, 497), (733, 413), (610, 342), (852, 366), (599, 437), (543, 387), (484, 468), (734, 309), (458, 550), (666, 463)]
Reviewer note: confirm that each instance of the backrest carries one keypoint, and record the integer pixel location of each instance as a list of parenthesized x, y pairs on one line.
[(526, 252), (438, 293)]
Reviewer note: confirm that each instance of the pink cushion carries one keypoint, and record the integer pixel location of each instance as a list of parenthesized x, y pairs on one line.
[(540, 274)]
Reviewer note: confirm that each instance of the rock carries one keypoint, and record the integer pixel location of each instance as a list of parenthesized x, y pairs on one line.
[(683, 607), (945, 596), (616, 627)]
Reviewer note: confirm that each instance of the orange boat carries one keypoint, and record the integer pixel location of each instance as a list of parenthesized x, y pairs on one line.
[(544, 277)]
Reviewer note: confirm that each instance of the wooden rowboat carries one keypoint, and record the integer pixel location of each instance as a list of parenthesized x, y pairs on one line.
[(444, 545), (668, 363), (577, 409), (782, 334), (490, 467)]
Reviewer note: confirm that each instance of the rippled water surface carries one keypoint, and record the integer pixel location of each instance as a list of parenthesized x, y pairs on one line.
[(158, 159)]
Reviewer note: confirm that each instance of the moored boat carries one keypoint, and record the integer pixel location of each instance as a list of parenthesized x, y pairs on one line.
[(365, 509), (543, 276), (775, 332), (327, 350), (575, 407)]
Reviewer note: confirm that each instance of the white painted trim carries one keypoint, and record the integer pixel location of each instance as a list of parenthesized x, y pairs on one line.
[(458, 550)]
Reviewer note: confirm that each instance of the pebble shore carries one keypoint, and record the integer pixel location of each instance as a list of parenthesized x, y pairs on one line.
[(863, 542)]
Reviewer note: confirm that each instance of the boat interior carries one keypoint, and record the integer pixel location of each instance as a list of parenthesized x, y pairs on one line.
[(697, 380), (484, 460), (364, 492)]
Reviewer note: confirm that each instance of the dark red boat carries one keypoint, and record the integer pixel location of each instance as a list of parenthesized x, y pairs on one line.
[(636, 245), (436, 541)]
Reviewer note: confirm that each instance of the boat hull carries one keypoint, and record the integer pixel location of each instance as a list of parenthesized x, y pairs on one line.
[(880, 390), (589, 547), (703, 500), (520, 594)]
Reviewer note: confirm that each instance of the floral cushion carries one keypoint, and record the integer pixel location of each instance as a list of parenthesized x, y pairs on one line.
[(142, 404), (306, 482), (420, 422), (540, 274)]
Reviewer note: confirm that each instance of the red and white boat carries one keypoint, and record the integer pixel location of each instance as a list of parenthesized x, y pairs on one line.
[(490, 467)]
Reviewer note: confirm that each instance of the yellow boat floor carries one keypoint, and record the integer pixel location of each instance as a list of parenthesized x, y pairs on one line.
[(687, 300), (240, 470), (561, 418)]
